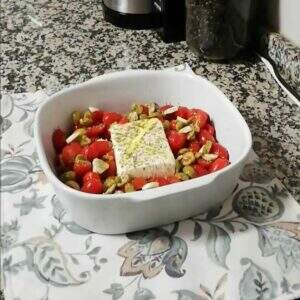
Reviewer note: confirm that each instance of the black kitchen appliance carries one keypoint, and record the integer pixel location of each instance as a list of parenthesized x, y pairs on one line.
[(166, 16), (172, 13)]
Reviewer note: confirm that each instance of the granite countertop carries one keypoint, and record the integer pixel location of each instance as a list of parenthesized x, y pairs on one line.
[(50, 44)]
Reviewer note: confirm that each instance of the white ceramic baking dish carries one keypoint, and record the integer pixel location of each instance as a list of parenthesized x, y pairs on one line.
[(127, 212)]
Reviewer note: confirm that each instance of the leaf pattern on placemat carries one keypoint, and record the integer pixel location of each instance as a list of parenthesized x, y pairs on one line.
[(151, 251), (218, 245), (205, 293), (257, 283), (281, 240)]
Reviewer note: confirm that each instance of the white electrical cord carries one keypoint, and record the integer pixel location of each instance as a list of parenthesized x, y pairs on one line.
[(271, 69)]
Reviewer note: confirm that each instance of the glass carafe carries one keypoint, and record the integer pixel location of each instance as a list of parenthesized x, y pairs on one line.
[(218, 29)]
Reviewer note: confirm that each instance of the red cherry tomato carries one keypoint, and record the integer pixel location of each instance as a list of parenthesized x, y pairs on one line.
[(58, 139), (145, 109), (69, 153), (168, 116), (161, 181), (172, 179), (138, 183), (89, 152), (96, 130), (200, 170), (112, 170), (110, 154), (90, 176), (194, 146), (123, 120), (97, 116), (164, 107), (201, 116), (204, 136), (82, 167), (218, 164), (203, 163), (176, 140), (219, 150), (183, 112), (210, 128), (96, 149), (111, 117), (93, 186)]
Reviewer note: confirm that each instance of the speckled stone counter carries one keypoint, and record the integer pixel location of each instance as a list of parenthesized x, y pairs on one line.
[(285, 57), (50, 44)]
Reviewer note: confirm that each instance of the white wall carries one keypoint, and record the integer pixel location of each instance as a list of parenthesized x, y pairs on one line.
[(284, 17)]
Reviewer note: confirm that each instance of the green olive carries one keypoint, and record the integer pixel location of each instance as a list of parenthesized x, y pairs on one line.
[(73, 184), (122, 180), (181, 176), (189, 171), (109, 181), (188, 158), (133, 116), (178, 166), (111, 189), (129, 188), (76, 116), (79, 158), (166, 124), (67, 176), (138, 108), (87, 119), (183, 150), (84, 140), (143, 116)]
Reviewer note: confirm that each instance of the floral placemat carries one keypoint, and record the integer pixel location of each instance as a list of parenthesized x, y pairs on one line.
[(247, 249)]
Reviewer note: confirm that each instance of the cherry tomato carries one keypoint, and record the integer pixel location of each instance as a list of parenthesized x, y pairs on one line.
[(69, 153), (89, 152), (203, 163), (204, 136), (210, 128), (93, 186), (168, 116), (97, 116), (82, 167), (164, 107), (110, 155), (96, 149), (112, 170), (201, 116), (176, 140), (172, 179), (161, 181), (183, 112), (90, 176), (111, 117), (58, 139), (219, 150), (200, 170), (194, 146), (218, 164), (138, 183), (123, 120), (145, 110), (96, 130)]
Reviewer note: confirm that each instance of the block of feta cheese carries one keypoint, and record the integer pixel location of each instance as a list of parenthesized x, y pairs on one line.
[(141, 149)]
